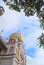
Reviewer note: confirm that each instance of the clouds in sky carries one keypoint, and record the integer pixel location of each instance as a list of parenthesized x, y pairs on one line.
[(34, 61), (38, 59), (12, 21), (9, 20)]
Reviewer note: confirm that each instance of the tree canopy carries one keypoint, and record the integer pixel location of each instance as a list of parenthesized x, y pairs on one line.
[(42, 23), (41, 40), (29, 6)]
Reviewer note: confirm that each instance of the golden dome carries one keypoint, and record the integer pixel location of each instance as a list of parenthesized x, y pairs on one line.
[(16, 35)]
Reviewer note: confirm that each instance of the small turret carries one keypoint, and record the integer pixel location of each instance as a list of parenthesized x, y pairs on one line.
[(18, 48)]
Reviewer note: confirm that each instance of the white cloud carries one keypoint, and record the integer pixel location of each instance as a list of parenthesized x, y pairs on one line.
[(39, 54), (34, 61), (9, 20), (31, 38), (30, 61)]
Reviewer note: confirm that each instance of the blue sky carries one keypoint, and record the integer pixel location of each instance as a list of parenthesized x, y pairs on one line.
[(12, 21)]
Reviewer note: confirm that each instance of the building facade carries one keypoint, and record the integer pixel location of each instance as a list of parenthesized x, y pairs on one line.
[(12, 52)]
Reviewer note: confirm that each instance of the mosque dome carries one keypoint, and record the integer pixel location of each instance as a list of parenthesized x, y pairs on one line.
[(17, 35)]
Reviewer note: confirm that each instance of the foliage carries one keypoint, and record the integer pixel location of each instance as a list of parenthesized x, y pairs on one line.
[(41, 40), (28, 6), (1, 10), (42, 23)]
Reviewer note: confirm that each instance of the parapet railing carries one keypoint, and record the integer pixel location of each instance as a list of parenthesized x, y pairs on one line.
[(9, 56)]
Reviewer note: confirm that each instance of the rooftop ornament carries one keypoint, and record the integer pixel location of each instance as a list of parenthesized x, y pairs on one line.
[(17, 35)]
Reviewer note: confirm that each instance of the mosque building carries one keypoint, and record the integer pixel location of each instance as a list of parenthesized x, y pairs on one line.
[(12, 51)]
